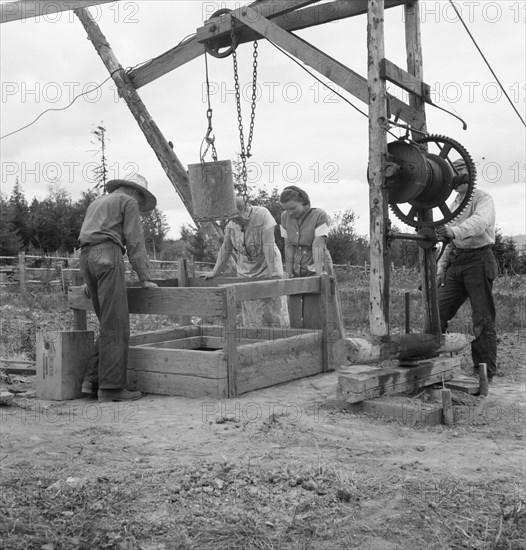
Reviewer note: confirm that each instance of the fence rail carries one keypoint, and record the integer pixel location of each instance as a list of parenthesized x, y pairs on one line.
[(57, 273)]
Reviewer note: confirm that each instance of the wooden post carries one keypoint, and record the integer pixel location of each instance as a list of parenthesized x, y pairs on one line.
[(172, 165), (230, 346), (22, 272), (379, 270), (447, 408), (182, 281), (326, 328), (483, 379), (80, 317), (427, 257)]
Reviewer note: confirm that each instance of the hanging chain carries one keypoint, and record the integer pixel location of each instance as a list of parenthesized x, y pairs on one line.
[(245, 152), (209, 139)]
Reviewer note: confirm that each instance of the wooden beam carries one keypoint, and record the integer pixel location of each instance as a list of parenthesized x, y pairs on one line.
[(427, 256), (175, 171), (405, 80), (378, 197), (335, 71), (162, 301), (222, 26), (27, 9), (304, 18), (258, 290), (401, 346)]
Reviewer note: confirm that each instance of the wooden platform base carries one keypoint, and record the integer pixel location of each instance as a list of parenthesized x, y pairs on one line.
[(411, 412), (362, 382)]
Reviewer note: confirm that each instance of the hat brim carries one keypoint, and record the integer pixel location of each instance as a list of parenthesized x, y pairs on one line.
[(149, 202)]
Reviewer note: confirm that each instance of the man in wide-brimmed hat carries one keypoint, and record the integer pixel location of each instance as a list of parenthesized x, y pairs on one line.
[(467, 269), (111, 227)]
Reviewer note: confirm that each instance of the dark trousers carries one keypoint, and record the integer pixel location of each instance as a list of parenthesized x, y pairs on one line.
[(102, 268), (471, 275)]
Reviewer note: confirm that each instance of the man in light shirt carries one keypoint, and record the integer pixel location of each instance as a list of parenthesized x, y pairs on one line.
[(468, 268)]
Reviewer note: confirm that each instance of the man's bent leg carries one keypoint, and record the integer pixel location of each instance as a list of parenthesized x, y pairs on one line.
[(451, 296)]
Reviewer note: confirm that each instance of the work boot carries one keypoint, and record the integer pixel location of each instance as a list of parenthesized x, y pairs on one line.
[(89, 389), (118, 394)]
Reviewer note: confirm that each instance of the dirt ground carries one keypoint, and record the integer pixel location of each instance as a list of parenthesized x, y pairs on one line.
[(287, 467)]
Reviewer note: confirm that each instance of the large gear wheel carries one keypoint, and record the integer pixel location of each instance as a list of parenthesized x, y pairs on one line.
[(424, 180)]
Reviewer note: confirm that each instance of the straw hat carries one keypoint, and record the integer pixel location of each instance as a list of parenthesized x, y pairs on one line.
[(139, 183)]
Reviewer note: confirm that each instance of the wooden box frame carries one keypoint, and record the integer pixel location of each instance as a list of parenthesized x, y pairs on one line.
[(248, 358)]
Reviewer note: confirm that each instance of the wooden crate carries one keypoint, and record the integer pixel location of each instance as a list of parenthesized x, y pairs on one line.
[(61, 363)]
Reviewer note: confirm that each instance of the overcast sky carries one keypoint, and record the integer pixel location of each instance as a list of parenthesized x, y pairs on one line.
[(304, 134)]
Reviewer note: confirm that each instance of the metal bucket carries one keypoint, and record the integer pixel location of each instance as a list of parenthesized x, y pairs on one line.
[(212, 190)]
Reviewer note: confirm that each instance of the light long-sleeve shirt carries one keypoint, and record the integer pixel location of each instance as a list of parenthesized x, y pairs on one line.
[(473, 228), (116, 217)]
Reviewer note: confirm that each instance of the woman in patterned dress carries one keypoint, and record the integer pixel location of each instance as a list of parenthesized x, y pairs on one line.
[(249, 238), (305, 231)]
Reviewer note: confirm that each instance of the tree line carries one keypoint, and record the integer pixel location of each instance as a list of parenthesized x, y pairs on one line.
[(53, 224)]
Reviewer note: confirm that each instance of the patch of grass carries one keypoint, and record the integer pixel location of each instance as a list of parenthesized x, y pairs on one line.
[(222, 506)]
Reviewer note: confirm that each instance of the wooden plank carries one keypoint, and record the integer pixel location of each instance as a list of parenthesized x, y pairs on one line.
[(199, 282), (6, 397), (259, 333), (270, 363), (168, 301), (180, 343), (176, 301), (11, 366), (27, 9), (230, 347), (469, 386), (171, 164), (163, 335), (357, 387), (300, 19), (178, 385), (277, 287), (405, 80), (378, 196), (200, 364)]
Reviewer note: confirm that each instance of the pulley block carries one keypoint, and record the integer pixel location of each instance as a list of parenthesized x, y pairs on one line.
[(222, 46)]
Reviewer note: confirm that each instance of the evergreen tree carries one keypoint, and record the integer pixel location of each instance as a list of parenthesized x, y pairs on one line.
[(100, 172), (155, 227), (10, 241), (20, 213), (343, 243)]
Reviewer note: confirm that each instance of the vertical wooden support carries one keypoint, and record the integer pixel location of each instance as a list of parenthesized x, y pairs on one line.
[(168, 159), (182, 281), (22, 272), (379, 269), (427, 257), (80, 318), (326, 329), (230, 346)]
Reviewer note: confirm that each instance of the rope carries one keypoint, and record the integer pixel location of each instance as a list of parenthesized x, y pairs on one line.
[(487, 63)]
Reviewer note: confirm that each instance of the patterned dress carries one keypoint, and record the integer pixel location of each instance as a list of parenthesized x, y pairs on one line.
[(300, 233), (248, 245)]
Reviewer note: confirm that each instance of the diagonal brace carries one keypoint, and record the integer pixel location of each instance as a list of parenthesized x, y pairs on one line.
[(335, 71)]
